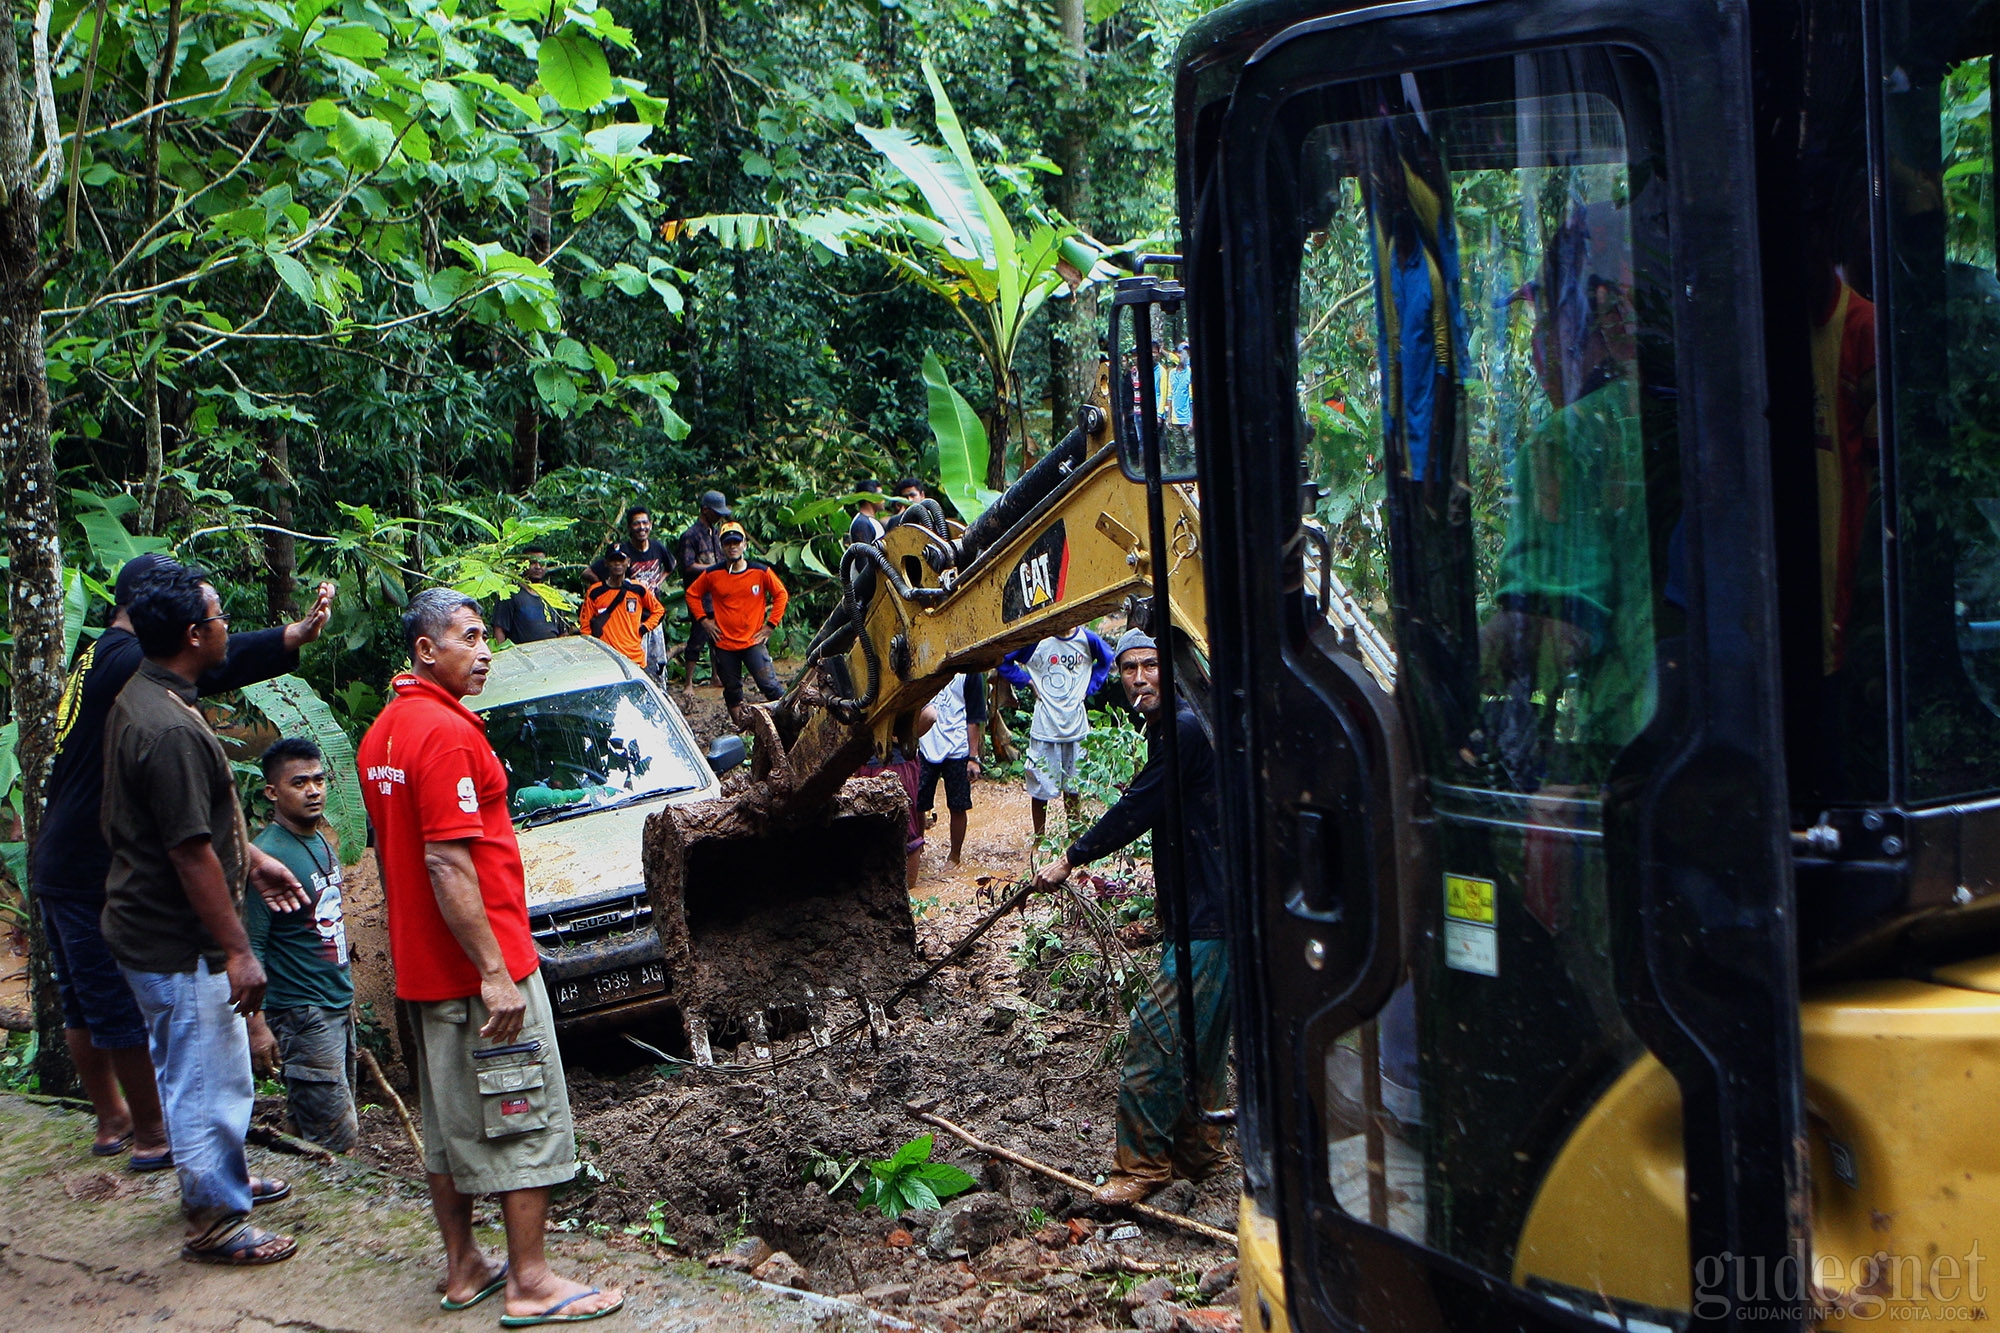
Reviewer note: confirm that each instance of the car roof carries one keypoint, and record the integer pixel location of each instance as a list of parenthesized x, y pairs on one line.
[(553, 666)]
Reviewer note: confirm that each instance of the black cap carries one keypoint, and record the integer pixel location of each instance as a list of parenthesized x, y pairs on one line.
[(616, 552), (870, 485), (716, 502), (138, 567)]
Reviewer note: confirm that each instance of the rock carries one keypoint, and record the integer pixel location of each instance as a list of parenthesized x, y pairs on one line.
[(1214, 1319), (1125, 1232), (1218, 1277), (1022, 1109), (1148, 1292), (887, 1293), (1015, 1261), (968, 1224), (743, 1256), (781, 1270), (1230, 1297), (1178, 1197), (900, 1239), (1158, 1317)]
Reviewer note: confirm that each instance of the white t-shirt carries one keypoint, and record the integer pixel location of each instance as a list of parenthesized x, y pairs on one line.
[(946, 740), (1060, 668)]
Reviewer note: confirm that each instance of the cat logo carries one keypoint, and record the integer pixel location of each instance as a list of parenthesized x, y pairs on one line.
[(1041, 578)]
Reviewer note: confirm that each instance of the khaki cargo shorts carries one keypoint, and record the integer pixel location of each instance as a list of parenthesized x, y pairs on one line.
[(496, 1117)]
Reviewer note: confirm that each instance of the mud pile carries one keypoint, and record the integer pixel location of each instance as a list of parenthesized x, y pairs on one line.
[(989, 1046)]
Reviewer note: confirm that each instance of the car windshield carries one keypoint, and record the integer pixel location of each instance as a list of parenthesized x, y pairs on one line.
[(587, 749)]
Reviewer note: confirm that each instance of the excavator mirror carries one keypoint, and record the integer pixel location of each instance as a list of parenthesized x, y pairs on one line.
[(1152, 377)]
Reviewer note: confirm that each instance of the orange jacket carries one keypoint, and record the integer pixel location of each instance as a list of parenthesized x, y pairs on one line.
[(621, 616), (738, 600)]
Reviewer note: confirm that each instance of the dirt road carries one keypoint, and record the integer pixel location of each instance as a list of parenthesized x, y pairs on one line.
[(85, 1248)]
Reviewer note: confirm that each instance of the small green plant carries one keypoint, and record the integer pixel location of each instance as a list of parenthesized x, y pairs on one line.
[(829, 1172), (654, 1228), (17, 1062), (1035, 1219), (270, 1087), (910, 1181), (919, 906)]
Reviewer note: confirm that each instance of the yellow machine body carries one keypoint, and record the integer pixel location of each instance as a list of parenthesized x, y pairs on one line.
[(1901, 1080), (1260, 1269)]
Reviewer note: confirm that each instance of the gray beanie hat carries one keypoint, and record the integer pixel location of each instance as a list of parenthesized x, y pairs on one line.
[(1130, 639)]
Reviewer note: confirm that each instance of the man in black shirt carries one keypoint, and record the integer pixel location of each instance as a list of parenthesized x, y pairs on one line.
[(701, 551), (101, 1024), (1159, 1135), (525, 617)]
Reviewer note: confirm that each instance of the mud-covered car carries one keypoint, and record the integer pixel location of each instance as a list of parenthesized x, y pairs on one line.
[(591, 747)]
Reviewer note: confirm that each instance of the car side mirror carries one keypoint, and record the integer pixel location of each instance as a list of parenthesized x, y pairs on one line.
[(725, 753)]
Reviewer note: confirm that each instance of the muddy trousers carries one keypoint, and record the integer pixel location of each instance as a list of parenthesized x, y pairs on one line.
[(1157, 1136)]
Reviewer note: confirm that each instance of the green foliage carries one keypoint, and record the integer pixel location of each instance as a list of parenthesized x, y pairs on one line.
[(17, 1062), (911, 1182), (654, 1228), (961, 444), (295, 710)]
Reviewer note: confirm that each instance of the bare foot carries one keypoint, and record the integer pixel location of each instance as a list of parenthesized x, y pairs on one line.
[(554, 1291), (113, 1130), (460, 1287)]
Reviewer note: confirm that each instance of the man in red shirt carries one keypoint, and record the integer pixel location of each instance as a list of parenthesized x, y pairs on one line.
[(496, 1108), (744, 602)]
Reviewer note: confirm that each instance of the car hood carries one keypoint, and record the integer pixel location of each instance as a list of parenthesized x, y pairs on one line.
[(589, 856)]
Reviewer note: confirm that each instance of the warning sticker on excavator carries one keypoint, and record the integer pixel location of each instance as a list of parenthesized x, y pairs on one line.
[(1471, 916), (1040, 578)]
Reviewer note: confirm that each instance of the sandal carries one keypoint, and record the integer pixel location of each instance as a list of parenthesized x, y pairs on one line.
[(265, 1190), (237, 1245), (161, 1162), (498, 1283), (552, 1315), (113, 1148)]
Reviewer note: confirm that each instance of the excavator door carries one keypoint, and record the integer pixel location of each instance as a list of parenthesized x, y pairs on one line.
[(1481, 282)]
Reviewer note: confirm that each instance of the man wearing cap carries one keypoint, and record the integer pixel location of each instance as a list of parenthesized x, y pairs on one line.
[(1159, 1135), (619, 611), (101, 1023), (737, 606), (699, 552), (866, 527)]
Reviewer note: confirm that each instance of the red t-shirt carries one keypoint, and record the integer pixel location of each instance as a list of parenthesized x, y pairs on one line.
[(428, 775)]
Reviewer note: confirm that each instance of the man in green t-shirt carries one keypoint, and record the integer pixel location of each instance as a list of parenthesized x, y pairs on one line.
[(307, 1027)]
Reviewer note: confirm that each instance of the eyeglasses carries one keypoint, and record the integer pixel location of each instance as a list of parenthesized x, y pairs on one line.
[(224, 618)]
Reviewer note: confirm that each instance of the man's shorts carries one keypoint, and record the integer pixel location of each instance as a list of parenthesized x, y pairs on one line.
[(957, 785), (94, 994), (316, 1046), (1051, 768), (496, 1117)]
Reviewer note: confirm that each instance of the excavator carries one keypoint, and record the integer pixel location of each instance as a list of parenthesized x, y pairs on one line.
[(1617, 916)]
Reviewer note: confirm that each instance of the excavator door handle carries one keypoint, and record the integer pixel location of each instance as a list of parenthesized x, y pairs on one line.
[(1315, 897)]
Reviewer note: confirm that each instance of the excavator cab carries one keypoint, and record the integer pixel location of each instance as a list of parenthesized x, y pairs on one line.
[(1633, 962)]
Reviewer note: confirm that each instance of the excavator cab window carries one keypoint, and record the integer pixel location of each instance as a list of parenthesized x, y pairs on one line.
[(1520, 939), (1480, 305)]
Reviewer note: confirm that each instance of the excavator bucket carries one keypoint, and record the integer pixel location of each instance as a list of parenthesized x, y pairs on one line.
[(776, 926)]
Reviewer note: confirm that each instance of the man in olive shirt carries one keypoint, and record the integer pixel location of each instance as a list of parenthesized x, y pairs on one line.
[(307, 1027), (179, 861)]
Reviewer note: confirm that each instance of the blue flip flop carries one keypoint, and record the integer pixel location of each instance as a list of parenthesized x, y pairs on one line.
[(163, 1162), (553, 1314), (499, 1281), (112, 1149)]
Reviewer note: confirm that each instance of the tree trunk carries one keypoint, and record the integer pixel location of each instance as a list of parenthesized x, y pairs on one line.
[(281, 551), (1073, 324), (34, 545), (156, 452), (527, 442)]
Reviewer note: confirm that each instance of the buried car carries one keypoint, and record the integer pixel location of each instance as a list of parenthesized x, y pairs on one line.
[(592, 746)]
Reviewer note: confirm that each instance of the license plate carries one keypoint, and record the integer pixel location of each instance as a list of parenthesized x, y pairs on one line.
[(602, 988)]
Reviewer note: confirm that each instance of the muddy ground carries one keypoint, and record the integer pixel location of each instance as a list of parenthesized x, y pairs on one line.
[(1019, 1042)]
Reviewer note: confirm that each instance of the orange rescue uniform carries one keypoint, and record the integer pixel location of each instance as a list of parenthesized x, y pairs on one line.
[(739, 602), (621, 616)]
